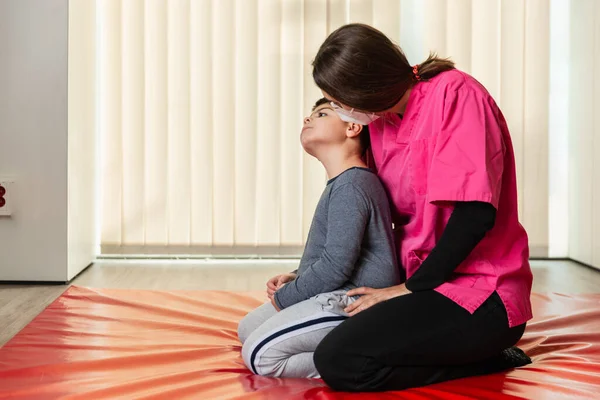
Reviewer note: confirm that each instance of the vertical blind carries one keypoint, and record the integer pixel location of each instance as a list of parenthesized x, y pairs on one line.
[(583, 75), (201, 105)]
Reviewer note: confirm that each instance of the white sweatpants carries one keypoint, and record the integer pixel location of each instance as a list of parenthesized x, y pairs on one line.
[(281, 344)]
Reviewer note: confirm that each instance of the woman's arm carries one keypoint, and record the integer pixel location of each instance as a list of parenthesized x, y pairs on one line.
[(467, 226)]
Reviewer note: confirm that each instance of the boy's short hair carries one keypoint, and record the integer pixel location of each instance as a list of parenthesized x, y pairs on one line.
[(365, 139), (320, 102)]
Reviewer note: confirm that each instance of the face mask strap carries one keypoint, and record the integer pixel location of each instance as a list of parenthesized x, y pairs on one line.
[(350, 114)]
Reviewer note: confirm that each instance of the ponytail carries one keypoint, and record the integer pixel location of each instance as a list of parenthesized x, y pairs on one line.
[(434, 65)]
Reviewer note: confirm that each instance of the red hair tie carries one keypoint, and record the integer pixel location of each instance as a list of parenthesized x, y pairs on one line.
[(416, 72)]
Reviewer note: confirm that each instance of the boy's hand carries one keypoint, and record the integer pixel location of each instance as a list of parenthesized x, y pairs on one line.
[(275, 283)]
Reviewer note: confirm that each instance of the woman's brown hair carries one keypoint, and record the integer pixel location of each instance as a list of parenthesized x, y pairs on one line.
[(362, 68)]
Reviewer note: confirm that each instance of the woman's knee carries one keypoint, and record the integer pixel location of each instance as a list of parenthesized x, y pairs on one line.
[(333, 365), (349, 373), (344, 367)]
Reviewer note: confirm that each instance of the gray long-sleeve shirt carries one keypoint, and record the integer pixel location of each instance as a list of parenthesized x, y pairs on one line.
[(350, 243)]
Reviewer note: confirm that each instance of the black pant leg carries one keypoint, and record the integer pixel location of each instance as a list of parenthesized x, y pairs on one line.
[(412, 341)]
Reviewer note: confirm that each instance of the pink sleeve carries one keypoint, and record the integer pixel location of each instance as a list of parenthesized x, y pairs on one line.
[(468, 155)]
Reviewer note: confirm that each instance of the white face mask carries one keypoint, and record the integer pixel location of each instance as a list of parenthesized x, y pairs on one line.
[(353, 116)]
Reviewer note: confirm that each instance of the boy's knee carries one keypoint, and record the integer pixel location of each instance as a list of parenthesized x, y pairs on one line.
[(253, 320), (268, 371), (246, 353), (244, 330), (263, 366)]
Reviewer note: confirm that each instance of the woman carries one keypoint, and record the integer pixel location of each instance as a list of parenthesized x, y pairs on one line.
[(442, 149)]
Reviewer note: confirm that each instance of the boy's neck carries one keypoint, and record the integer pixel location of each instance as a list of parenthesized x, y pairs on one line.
[(335, 164)]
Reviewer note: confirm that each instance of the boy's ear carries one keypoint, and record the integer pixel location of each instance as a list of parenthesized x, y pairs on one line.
[(353, 130)]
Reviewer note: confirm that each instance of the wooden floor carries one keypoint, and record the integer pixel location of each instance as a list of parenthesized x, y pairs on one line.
[(19, 304)]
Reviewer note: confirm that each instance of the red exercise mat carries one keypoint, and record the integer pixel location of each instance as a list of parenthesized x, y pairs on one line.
[(141, 344)]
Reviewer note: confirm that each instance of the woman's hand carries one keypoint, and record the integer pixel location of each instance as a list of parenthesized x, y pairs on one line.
[(276, 282), (370, 297)]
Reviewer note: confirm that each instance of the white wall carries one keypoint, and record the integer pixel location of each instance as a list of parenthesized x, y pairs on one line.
[(82, 192), (33, 138), (584, 132), (34, 242)]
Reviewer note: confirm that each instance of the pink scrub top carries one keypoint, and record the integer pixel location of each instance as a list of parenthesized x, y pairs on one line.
[(453, 145)]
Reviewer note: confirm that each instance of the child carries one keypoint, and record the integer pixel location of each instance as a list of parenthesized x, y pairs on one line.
[(350, 244)]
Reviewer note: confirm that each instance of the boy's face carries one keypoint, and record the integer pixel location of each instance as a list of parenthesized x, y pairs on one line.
[(322, 128)]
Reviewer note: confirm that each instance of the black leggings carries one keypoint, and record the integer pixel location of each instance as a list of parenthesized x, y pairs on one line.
[(414, 340)]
